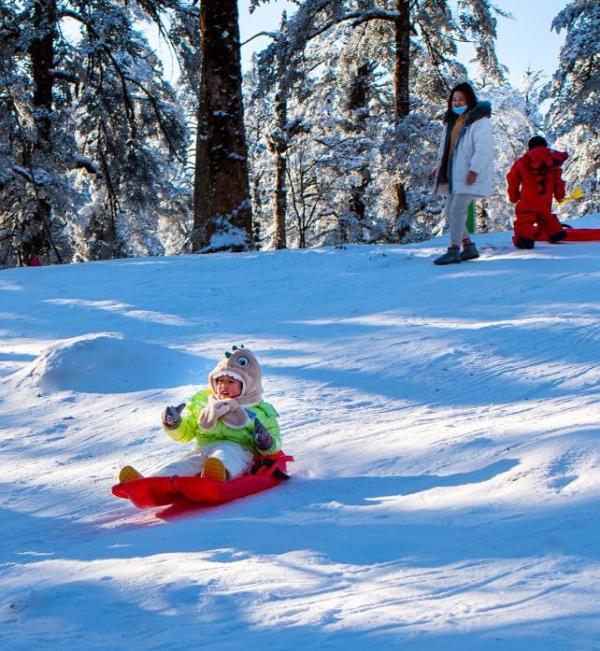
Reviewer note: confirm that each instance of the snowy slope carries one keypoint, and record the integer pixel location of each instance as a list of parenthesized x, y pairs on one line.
[(445, 424)]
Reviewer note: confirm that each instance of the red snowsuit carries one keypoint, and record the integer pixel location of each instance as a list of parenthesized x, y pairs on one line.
[(533, 181)]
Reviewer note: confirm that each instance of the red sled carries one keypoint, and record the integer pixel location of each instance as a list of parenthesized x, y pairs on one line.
[(268, 471)]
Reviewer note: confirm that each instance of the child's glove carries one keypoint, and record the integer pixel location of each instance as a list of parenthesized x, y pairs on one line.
[(171, 417), (221, 407), (236, 417), (262, 439), (213, 411)]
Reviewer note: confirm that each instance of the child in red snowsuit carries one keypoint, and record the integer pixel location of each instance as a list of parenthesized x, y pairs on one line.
[(533, 180)]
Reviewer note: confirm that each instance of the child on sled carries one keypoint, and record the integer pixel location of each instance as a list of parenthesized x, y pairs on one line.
[(229, 420)]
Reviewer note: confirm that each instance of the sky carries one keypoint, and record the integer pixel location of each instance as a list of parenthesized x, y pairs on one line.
[(444, 423), (525, 41)]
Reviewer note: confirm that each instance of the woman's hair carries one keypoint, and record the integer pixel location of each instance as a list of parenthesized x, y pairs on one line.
[(469, 93)]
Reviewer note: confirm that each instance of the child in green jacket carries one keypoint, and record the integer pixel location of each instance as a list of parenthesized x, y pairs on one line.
[(230, 422)]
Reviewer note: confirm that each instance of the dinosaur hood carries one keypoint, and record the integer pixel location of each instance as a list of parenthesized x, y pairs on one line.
[(544, 158), (242, 365)]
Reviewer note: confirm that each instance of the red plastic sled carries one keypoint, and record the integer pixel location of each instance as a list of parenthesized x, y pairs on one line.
[(269, 471), (575, 234)]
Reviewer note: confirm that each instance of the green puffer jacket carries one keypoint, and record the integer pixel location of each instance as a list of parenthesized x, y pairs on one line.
[(189, 429)]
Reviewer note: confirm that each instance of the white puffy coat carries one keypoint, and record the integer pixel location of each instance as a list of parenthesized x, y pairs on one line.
[(474, 152)]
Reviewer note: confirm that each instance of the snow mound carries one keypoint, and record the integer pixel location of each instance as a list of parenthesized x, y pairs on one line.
[(107, 363)]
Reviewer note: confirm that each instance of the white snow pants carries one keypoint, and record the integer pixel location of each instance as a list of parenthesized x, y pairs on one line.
[(235, 458), (456, 216)]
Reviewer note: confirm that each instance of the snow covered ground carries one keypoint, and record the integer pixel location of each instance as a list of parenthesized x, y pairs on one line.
[(445, 424)]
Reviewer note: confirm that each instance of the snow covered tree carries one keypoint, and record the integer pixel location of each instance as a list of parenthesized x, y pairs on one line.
[(133, 130), (574, 114), (96, 136), (222, 206), (429, 24), (36, 148), (531, 88), (370, 135), (275, 66), (355, 103), (280, 71)]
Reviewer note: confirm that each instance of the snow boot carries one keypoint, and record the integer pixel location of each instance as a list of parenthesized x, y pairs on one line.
[(523, 242), (129, 473), (451, 256), (469, 252), (557, 237), (215, 470)]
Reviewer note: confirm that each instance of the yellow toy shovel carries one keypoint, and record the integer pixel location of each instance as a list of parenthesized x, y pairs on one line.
[(576, 194)]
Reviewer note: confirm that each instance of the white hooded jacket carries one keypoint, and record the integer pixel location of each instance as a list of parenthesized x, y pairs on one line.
[(474, 152)]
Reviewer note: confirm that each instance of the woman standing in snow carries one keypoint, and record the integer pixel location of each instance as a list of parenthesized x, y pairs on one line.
[(465, 166)]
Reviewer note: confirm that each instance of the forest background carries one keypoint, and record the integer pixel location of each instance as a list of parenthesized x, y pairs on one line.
[(326, 136)]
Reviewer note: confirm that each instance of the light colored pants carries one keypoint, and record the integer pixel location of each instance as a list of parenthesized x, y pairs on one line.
[(456, 216), (235, 458)]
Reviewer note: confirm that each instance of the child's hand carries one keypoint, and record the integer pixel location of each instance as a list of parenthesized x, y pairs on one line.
[(171, 417), (221, 407), (237, 417), (213, 411), (262, 439)]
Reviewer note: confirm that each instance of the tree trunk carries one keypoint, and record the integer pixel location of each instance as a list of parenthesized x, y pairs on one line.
[(401, 96), (222, 207), (36, 239), (281, 145), (357, 106), (203, 227), (402, 61)]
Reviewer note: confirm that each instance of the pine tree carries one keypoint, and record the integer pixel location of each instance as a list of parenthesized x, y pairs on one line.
[(369, 165), (574, 115), (354, 106), (36, 149), (431, 25), (95, 132), (280, 72), (222, 206), (531, 88)]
